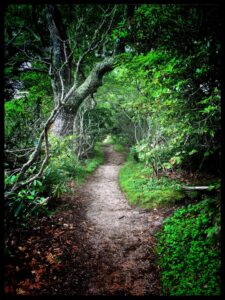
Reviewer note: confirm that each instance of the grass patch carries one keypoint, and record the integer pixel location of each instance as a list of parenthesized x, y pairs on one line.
[(144, 190), (189, 252), (118, 148)]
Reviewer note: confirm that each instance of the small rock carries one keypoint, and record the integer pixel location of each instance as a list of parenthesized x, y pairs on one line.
[(22, 248)]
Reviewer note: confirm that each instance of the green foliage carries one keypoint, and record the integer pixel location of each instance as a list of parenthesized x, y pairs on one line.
[(109, 140), (120, 31), (27, 201), (92, 124), (145, 190), (25, 116), (61, 167), (118, 142), (32, 200), (189, 250), (167, 87), (92, 163), (64, 165), (176, 119), (118, 147), (163, 99)]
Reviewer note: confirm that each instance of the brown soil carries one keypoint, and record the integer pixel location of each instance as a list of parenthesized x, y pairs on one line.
[(105, 246)]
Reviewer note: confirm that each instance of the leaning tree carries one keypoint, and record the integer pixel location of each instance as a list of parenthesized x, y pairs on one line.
[(74, 45)]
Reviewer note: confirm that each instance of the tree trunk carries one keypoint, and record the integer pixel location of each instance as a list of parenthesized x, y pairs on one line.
[(63, 124), (61, 79)]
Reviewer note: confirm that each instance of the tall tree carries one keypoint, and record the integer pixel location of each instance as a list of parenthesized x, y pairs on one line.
[(75, 54)]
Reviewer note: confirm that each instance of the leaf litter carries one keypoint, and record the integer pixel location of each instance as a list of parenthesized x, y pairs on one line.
[(96, 244)]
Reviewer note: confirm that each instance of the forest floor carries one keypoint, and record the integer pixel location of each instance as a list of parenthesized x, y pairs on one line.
[(96, 243)]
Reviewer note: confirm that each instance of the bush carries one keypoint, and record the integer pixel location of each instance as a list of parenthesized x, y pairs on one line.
[(93, 163), (188, 250), (26, 202), (63, 166)]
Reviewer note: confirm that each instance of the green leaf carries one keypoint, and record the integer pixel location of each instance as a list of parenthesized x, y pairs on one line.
[(167, 165), (193, 151)]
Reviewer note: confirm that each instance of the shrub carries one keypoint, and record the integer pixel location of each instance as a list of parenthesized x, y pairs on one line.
[(26, 202), (63, 165), (188, 250)]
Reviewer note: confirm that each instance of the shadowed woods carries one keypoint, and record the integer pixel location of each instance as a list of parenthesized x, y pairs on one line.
[(112, 149)]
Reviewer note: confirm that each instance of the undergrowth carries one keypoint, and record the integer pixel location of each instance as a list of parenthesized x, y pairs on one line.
[(67, 166), (92, 163), (188, 246), (145, 190), (188, 250), (109, 140), (63, 166)]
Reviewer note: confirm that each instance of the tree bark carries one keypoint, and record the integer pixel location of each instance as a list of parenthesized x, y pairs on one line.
[(63, 124), (62, 69)]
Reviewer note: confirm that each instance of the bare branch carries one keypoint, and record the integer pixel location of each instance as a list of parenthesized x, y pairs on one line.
[(37, 150), (34, 58), (45, 161), (19, 150), (15, 36), (62, 87), (91, 45), (88, 87)]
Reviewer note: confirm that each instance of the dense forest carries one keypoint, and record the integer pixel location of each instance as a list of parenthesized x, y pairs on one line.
[(92, 85)]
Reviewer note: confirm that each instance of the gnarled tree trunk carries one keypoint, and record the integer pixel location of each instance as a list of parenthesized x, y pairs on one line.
[(64, 122), (62, 65)]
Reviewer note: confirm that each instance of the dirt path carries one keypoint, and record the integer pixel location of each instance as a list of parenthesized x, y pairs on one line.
[(121, 239), (95, 244)]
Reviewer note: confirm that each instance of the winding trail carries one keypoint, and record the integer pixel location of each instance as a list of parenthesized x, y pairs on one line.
[(94, 244), (121, 236)]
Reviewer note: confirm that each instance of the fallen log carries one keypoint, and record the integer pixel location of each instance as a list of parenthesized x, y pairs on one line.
[(195, 188)]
